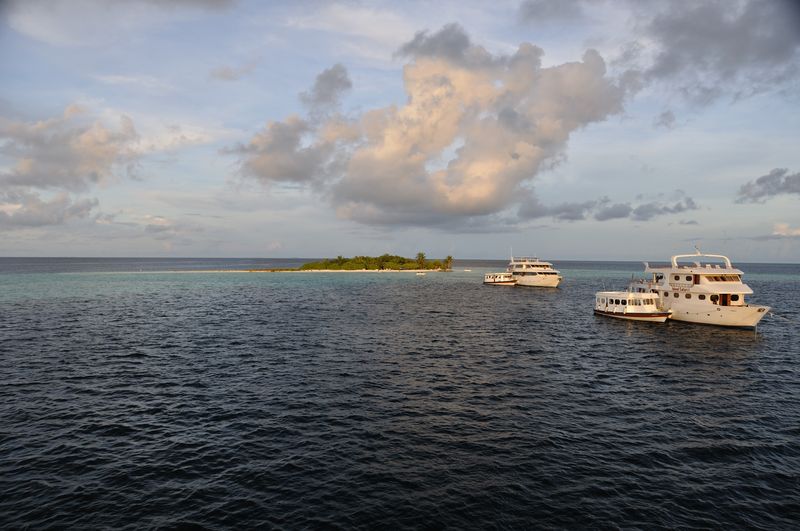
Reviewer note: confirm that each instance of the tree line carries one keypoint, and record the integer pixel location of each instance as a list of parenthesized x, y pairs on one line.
[(385, 261)]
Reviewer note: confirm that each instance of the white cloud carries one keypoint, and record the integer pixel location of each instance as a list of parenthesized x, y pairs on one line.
[(784, 229), (474, 129)]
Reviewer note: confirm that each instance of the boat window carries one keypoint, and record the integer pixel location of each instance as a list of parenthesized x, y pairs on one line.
[(666, 294), (624, 302), (701, 297), (714, 298), (676, 294), (688, 295), (677, 277), (689, 277), (734, 297)]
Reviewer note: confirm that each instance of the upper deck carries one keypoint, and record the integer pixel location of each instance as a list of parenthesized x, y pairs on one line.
[(698, 266), (529, 261)]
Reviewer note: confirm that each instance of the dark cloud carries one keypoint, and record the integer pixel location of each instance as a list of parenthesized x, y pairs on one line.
[(278, 153), (666, 119), (535, 11), (713, 47), (20, 209), (650, 210), (615, 211), (532, 209), (328, 89), (776, 182), (603, 210), (450, 43)]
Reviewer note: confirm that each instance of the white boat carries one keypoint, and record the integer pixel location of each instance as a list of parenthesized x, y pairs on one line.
[(706, 292), (420, 273), (629, 305), (499, 279), (533, 272)]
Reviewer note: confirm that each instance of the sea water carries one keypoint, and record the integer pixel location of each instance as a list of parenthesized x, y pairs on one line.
[(143, 393)]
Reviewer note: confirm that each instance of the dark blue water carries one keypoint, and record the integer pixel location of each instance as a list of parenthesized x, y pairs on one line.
[(142, 393)]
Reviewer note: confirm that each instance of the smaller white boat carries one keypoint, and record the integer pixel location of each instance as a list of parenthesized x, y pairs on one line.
[(630, 305), (420, 274), (499, 279), (468, 271)]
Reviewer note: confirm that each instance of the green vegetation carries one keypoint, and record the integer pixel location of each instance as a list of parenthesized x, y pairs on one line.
[(386, 261)]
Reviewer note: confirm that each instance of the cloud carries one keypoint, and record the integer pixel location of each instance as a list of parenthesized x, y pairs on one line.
[(450, 43), (780, 231), (783, 229), (603, 210), (666, 120), (650, 210), (95, 22), (532, 209), (232, 73), (70, 152), (162, 228), (475, 128), (703, 51), (281, 153), (49, 161), (715, 47), (615, 211), (22, 209), (776, 182), (538, 11), (327, 90)]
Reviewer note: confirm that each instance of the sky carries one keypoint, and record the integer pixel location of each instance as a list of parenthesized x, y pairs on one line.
[(572, 129)]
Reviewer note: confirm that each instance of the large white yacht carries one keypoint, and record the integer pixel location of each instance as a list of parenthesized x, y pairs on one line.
[(705, 291), (533, 272)]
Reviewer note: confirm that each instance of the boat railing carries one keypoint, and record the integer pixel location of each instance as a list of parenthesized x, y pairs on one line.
[(696, 256)]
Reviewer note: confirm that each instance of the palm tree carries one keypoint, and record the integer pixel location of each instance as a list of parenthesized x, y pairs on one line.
[(448, 263), (421, 260)]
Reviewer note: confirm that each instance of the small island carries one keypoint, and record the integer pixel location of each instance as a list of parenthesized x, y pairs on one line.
[(385, 262)]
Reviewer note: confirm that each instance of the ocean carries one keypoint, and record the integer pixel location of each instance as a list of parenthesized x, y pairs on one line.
[(143, 393)]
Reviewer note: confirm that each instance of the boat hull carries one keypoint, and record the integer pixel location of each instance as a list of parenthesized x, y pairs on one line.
[(733, 316), (538, 281), (508, 283), (654, 317)]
